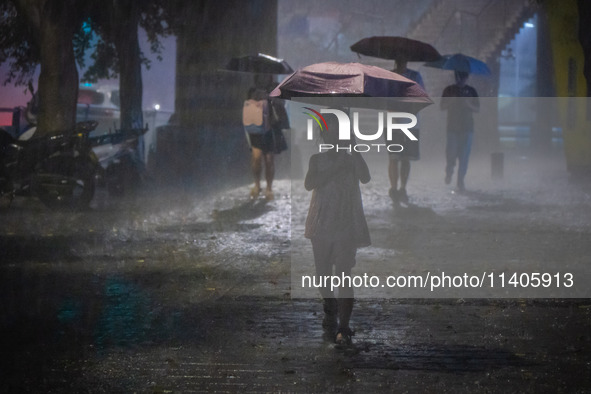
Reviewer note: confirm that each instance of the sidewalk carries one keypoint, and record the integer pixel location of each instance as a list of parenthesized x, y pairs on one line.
[(195, 296)]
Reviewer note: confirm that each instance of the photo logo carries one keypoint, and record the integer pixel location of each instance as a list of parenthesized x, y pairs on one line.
[(396, 122), (315, 117)]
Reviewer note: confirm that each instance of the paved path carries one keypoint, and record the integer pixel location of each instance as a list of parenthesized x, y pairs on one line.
[(194, 296)]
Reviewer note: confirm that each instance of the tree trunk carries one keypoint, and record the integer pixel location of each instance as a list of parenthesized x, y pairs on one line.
[(126, 17), (53, 20)]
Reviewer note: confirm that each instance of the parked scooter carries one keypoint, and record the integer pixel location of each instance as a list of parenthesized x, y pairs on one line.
[(121, 166), (59, 169)]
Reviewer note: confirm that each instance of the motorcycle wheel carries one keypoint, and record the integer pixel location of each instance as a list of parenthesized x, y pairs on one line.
[(65, 182)]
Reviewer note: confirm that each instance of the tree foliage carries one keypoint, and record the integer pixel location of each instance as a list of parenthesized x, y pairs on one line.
[(18, 45), (154, 16), (20, 49), (106, 28), (42, 32), (117, 50)]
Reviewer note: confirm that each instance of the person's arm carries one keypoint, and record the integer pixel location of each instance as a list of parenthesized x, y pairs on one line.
[(310, 181), (361, 169), (473, 102)]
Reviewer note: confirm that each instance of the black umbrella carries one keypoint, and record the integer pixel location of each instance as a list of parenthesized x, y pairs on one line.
[(259, 64), (388, 47)]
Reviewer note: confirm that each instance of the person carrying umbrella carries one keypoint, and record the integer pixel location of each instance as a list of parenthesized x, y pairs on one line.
[(461, 102), (401, 50), (255, 117), (336, 226), (399, 162), (262, 118)]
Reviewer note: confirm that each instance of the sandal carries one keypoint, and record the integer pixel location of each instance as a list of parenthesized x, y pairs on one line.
[(254, 192), (343, 337)]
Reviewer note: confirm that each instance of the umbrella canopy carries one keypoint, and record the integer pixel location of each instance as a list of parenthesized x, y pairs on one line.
[(348, 80), (461, 62), (259, 64), (388, 47)]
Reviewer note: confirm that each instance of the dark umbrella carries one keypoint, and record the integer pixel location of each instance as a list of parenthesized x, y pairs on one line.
[(387, 47), (461, 62), (259, 64)]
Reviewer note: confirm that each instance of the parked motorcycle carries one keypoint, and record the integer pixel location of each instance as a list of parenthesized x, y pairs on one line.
[(121, 166), (58, 169)]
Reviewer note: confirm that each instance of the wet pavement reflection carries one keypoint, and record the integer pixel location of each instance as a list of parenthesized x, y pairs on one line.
[(194, 295)]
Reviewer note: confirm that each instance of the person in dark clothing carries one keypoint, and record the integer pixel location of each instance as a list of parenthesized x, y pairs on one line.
[(461, 102), (336, 226)]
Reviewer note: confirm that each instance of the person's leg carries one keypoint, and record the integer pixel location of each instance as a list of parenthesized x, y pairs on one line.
[(393, 176), (344, 262), (464, 148), (404, 174), (269, 174), (322, 261), (256, 167), (345, 304), (393, 172), (451, 153)]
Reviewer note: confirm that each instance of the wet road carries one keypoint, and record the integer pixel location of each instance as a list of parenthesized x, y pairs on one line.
[(194, 295)]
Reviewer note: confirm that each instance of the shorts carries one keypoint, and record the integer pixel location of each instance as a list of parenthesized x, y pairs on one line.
[(263, 142), (411, 148)]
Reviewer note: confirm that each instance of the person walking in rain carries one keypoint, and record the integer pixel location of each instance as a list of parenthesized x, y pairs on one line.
[(259, 134), (336, 225), (399, 162), (461, 102)]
